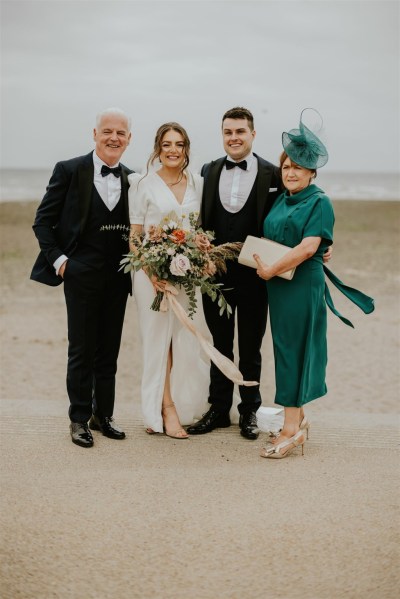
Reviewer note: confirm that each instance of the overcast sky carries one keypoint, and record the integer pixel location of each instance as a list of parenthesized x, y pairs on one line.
[(189, 61)]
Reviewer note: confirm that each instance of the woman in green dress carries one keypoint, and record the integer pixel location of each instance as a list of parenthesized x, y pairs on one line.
[(301, 218)]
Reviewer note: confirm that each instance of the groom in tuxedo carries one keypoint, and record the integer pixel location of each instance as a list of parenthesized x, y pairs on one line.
[(83, 195), (239, 191)]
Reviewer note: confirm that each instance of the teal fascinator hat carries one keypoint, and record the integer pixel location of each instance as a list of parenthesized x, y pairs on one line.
[(303, 146)]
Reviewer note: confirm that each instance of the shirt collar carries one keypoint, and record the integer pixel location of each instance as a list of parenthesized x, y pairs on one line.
[(98, 163)]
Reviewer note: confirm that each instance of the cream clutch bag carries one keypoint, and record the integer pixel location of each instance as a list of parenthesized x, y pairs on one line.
[(269, 252)]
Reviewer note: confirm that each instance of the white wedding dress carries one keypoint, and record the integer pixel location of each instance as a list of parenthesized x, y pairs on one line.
[(150, 200)]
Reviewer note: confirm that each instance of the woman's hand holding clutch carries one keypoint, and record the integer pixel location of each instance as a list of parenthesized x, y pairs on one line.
[(263, 270)]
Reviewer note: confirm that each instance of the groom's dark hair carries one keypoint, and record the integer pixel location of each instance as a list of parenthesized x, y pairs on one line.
[(239, 113)]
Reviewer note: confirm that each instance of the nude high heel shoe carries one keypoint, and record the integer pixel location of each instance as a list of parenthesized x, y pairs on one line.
[(273, 451), (305, 425), (180, 433)]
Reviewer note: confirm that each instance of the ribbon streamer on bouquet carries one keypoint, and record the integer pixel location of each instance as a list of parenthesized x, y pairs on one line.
[(226, 366)]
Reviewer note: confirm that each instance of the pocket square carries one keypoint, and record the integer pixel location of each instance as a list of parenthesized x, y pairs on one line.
[(273, 189)]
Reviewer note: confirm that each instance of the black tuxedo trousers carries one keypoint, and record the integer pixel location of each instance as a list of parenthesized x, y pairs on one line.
[(96, 301), (249, 302)]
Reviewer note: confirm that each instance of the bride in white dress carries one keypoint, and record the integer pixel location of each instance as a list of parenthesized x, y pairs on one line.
[(175, 378)]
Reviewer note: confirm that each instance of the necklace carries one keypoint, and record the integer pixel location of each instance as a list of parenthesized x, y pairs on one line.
[(175, 182), (163, 174)]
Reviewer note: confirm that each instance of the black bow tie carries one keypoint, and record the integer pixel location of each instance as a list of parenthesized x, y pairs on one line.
[(106, 170), (242, 164)]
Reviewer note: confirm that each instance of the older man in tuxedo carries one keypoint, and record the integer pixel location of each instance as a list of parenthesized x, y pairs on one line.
[(239, 190), (85, 194)]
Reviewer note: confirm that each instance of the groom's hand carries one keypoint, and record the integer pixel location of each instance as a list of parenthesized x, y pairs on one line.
[(62, 269)]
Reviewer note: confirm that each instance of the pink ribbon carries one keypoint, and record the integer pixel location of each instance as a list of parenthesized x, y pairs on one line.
[(226, 366)]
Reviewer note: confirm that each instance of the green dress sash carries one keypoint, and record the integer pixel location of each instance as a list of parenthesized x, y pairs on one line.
[(360, 299)]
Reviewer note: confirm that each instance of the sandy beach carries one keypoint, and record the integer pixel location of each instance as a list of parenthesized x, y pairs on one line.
[(206, 518)]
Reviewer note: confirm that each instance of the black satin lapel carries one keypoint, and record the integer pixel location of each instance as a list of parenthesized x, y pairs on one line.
[(212, 187), (124, 193), (85, 187), (263, 181)]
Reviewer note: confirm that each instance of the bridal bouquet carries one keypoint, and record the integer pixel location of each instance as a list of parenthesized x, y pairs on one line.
[(182, 257)]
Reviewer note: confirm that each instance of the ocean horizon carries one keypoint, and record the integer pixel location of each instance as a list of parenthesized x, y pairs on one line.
[(30, 185)]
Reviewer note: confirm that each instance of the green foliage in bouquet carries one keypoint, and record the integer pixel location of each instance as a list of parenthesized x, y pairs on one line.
[(182, 257)]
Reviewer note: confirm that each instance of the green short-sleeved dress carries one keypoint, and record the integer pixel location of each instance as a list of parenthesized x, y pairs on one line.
[(298, 312)]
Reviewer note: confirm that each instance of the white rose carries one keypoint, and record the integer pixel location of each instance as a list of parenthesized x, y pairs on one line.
[(171, 251), (179, 265)]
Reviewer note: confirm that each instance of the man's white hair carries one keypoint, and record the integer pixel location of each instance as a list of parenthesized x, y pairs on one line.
[(113, 111)]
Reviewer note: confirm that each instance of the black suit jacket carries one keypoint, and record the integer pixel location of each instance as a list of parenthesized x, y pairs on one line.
[(268, 177), (63, 212)]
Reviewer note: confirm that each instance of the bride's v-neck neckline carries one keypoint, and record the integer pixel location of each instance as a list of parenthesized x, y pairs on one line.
[(170, 190)]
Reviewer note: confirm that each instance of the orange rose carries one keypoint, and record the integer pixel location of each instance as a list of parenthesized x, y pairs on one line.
[(178, 236)]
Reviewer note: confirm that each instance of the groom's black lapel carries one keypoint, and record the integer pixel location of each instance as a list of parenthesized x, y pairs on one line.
[(264, 199), (85, 187), (210, 188), (124, 191)]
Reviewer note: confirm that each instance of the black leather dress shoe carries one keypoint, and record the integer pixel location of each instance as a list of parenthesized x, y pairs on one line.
[(248, 426), (209, 422), (106, 426), (80, 434)]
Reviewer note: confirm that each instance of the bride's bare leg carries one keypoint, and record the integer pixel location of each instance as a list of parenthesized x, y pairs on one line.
[(167, 397), (172, 425)]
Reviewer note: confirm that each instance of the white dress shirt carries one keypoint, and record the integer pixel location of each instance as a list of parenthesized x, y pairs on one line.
[(109, 188), (236, 184)]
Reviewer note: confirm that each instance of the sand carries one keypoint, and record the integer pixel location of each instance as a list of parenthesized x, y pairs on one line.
[(206, 518)]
